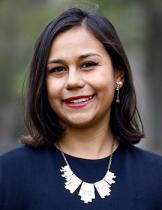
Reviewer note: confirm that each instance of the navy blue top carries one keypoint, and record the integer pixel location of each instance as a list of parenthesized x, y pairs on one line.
[(30, 180)]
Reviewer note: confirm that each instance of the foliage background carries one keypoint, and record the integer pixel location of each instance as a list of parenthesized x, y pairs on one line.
[(138, 24)]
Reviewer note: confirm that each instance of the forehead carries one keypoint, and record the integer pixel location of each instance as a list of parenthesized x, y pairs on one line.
[(78, 40)]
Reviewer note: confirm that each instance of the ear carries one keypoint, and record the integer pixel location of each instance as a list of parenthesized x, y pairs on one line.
[(119, 76)]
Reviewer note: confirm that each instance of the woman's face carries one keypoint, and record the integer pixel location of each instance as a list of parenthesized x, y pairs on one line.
[(80, 78)]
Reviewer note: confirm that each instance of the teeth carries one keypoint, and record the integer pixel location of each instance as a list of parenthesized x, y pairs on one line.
[(77, 101)]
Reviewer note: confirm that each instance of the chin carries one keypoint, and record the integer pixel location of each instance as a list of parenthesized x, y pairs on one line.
[(78, 123)]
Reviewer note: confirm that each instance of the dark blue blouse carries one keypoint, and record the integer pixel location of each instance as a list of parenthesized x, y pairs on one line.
[(30, 179)]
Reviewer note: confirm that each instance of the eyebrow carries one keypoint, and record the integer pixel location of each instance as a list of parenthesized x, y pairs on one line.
[(80, 57)]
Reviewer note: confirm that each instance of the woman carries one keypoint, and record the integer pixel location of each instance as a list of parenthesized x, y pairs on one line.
[(83, 122)]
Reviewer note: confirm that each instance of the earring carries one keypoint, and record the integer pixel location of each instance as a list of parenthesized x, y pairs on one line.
[(118, 86)]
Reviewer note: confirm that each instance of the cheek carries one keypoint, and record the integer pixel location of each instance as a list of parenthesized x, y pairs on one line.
[(104, 81), (54, 89), (105, 89)]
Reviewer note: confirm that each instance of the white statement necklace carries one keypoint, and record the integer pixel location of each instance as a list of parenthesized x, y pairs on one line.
[(87, 190)]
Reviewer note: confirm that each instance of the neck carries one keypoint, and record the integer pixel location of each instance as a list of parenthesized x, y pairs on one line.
[(94, 142)]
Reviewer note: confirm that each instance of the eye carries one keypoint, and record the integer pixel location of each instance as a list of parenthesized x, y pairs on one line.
[(58, 69), (89, 64)]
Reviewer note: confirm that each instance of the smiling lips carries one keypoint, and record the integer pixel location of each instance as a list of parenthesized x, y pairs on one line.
[(79, 101)]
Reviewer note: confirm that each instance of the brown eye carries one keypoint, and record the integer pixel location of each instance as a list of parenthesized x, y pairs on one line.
[(58, 69), (89, 64)]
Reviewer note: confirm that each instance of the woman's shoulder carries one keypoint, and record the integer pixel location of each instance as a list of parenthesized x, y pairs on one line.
[(144, 157), (26, 160), (22, 154), (145, 153)]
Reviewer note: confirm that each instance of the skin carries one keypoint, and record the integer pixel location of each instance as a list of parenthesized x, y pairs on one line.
[(78, 65)]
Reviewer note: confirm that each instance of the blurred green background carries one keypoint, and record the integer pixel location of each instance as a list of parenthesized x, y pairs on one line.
[(139, 25)]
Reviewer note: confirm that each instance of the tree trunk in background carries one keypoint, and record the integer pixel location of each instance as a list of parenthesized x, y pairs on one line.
[(154, 70)]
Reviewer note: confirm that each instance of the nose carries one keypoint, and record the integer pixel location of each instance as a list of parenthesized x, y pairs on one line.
[(74, 79)]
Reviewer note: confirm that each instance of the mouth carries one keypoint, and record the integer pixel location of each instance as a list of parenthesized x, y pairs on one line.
[(78, 101)]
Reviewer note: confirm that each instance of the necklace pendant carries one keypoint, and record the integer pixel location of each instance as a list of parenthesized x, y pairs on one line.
[(72, 182), (87, 190), (109, 177), (103, 188)]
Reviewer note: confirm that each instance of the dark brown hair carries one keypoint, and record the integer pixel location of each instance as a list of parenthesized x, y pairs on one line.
[(42, 122)]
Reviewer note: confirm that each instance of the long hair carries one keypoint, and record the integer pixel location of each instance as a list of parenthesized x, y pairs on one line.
[(42, 122)]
